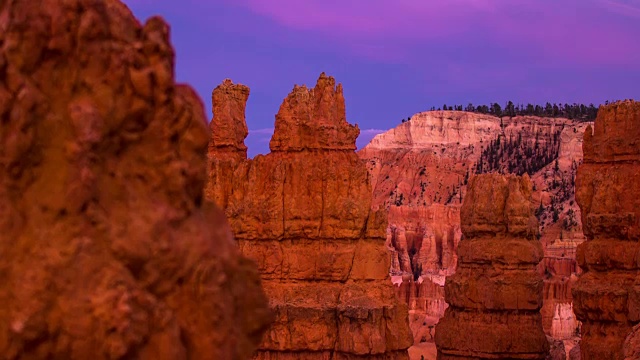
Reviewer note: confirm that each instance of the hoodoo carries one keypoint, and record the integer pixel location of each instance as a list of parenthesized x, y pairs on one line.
[(495, 295), (607, 296), (303, 213)]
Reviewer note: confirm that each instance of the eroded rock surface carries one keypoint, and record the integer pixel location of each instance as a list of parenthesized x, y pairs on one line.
[(303, 213), (495, 295), (107, 250), (631, 349), (420, 171), (607, 296), (226, 147)]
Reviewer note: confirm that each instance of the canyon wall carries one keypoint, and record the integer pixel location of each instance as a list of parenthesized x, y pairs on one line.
[(420, 171), (107, 248), (606, 296), (495, 295), (429, 158), (304, 214)]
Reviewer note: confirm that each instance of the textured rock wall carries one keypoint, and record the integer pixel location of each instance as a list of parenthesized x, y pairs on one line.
[(425, 160), (427, 237), (424, 250), (226, 146), (107, 249), (422, 164), (303, 213), (495, 295), (606, 297)]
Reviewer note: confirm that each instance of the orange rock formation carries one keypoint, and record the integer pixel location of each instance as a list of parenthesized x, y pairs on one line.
[(303, 213), (419, 170), (107, 250), (495, 295), (607, 296), (423, 243), (226, 146)]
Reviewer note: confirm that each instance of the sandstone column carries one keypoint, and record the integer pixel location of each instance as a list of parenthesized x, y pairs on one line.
[(107, 249), (303, 214), (226, 146), (607, 295), (495, 295)]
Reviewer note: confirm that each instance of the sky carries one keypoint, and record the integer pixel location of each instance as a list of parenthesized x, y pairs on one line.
[(395, 58)]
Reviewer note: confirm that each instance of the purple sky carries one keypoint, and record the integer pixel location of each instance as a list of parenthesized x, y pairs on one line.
[(398, 57)]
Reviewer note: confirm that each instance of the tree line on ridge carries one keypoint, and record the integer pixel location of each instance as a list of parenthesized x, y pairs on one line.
[(580, 112)]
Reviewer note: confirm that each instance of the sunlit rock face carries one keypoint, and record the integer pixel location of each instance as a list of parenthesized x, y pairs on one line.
[(303, 213), (495, 295), (107, 248), (606, 296)]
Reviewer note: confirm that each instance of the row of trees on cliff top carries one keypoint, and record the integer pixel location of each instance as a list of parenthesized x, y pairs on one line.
[(579, 112)]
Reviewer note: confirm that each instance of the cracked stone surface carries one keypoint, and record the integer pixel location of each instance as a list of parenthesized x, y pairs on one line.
[(303, 214)]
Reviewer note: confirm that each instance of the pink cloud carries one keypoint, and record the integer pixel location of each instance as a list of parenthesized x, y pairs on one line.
[(630, 8), (366, 18), (564, 30)]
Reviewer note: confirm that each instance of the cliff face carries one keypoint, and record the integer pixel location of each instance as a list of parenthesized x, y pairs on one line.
[(424, 239), (303, 213), (606, 296), (420, 171), (560, 232), (423, 244), (107, 250), (429, 159), (495, 295)]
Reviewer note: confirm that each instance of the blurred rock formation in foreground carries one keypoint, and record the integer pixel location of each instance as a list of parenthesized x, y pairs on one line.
[(107, 249)]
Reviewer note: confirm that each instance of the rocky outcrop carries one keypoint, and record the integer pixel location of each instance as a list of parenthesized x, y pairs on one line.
[(107, 249), (303, 213), (560, 232), (422, 167), (423, 250), (226, 146), (314, 119), (229, 103), (606, 297), (430, 158), (495, 295), (424, 238)]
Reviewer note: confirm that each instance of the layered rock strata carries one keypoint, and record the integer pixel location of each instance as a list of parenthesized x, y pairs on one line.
[(420, 172), (226, 146), (424, 240), (107, 248), (495, 295), (607, 296), (423, 253), (303, 213)]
